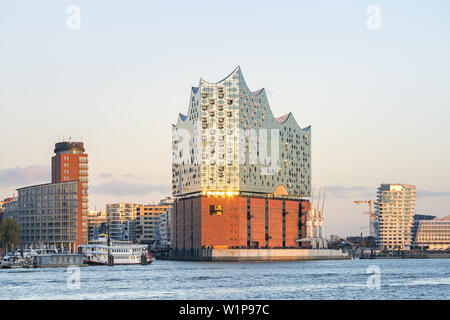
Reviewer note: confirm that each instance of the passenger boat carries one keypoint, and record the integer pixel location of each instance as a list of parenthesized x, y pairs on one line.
[(111, 252)]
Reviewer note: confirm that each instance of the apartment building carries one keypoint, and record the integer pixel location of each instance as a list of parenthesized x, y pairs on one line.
[(395, 216), (55, 214), (118, 214)]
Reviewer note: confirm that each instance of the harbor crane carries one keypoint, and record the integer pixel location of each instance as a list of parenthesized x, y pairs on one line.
[(314, 219), (371, 213)]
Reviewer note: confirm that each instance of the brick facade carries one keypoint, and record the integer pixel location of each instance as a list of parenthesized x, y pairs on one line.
[(237, 222)]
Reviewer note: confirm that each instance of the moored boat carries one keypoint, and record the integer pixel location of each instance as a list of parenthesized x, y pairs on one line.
[(16, 260), (104, 252)]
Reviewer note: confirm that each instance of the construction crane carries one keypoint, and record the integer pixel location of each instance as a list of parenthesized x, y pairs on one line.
[(371, 213), (315, 218), (323, 200)]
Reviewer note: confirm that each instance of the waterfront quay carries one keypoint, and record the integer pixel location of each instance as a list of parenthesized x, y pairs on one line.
[(400, 254), (240, 255)]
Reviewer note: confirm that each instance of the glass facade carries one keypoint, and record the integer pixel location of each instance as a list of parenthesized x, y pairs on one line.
[(434, 234), (229, 142), (49, 215)]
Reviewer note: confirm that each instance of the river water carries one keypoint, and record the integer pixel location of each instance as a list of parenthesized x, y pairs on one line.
[(344, 279)]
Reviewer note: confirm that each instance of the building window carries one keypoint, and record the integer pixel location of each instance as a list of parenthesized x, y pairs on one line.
[(216, 210)]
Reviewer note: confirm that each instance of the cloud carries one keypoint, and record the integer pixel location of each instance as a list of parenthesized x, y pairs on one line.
[(432, 194), (112, 176), (106, 176), (22, 177), (124, 188), (366, 193), (131, 176)]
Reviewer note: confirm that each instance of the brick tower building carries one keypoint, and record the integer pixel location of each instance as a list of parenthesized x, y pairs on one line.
[(70, 163)]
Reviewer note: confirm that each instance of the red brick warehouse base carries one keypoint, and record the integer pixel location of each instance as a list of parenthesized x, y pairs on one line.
[(238, 222)]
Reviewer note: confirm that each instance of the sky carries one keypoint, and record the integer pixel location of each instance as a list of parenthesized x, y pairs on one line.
[(374, 88)]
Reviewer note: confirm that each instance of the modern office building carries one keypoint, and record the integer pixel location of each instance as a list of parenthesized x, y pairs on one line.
[(5, 201), (4, 204), (96, 219), (241, 176), (49, 215), (148, 227), (138, 222), (394, 211), (118, 214), (416, 222), (11, 209), (55, 214), (129, 231), (70, 163), (165, 224), (434, 234), (163, 233)]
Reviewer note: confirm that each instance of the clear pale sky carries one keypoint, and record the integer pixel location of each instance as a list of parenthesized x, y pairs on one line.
[(378, 101)]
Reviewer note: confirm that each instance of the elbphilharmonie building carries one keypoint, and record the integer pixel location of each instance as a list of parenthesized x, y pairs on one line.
[(229, 140), (241, 176)]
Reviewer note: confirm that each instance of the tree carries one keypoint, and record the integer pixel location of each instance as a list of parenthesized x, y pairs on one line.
[(9, 233)]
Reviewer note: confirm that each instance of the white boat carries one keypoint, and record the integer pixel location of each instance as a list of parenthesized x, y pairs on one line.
[(26, 258), (17, 260), (100, 252)]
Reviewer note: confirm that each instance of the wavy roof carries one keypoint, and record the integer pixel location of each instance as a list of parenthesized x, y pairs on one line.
[(281, 120), (257, 92), (237, 68)]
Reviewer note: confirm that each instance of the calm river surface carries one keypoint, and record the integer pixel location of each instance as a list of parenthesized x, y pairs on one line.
[(398, 279)]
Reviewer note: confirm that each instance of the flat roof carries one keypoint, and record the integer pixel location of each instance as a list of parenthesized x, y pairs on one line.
[(47, 184)]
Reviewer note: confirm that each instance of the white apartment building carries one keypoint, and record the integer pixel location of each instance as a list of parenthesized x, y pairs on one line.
[(395, 215)]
